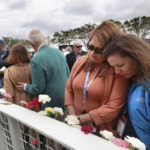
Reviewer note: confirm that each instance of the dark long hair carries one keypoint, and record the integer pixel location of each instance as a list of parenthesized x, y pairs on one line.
[(128, 45)]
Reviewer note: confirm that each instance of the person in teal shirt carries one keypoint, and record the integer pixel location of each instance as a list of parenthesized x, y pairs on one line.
[(49, 71)]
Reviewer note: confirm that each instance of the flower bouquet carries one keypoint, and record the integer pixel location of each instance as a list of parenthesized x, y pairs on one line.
[(36, 103), (129, 142), (55, 112)]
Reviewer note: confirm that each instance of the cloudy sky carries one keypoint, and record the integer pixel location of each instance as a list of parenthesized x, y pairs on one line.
[(18, 17)]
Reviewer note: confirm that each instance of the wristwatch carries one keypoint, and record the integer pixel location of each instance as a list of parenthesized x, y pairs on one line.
[(78, 119)]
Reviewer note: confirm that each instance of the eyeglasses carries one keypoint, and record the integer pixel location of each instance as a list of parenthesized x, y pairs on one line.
[(79, 46), (95, 49)]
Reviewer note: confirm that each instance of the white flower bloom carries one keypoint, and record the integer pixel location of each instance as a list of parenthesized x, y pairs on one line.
[(106, 134), (44, 98), (2, 90), (136, 143), (43, 113), (58, 110), (72, 120)]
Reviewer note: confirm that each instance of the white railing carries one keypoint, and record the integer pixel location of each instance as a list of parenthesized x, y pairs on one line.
[(58, 135)]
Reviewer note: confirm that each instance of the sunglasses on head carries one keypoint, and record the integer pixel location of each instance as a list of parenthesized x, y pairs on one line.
[(79, 46), (95, 49)]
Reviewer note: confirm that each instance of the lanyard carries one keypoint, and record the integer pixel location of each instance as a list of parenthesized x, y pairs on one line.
[(86, 85), (86, 82)]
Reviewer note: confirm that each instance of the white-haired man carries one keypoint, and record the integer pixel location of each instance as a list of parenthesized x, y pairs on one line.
[(73, 56), (49, 71)]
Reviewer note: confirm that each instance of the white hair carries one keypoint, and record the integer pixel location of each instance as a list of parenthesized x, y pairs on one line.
[(35, 37), (77, 42)]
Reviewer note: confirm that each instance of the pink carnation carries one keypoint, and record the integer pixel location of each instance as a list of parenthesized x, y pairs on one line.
[(7, 95), (23, 102), (120, 142), (3, 93)]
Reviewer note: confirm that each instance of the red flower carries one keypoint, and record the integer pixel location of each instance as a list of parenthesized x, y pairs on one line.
[(36, 102), (30, 105), (34, 141), (87, 129)]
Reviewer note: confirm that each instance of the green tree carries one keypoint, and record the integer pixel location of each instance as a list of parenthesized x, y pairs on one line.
[(9, 41), (139, 26), (80, 33)]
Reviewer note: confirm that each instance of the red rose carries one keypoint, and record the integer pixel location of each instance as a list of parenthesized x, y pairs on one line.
[(36, 102), (87, 129), (35, 99), (34, 141), (30, 105)]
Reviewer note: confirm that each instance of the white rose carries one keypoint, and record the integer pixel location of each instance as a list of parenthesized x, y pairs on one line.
[(43, 113), (136, 143), (58, 110), (106, 134), (44, 98), (72, 120)]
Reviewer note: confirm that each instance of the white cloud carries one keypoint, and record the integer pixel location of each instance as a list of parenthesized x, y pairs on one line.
[(17, 4), (20, 16)]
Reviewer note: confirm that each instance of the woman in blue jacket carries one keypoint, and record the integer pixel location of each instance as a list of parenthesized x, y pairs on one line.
[(130, 57)]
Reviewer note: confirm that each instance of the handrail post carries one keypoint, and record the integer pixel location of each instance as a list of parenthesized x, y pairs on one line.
[(16, 136), (3, 139)]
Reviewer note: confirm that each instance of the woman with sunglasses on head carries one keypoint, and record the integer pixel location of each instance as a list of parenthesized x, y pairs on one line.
[(130, 57), (93, 92)]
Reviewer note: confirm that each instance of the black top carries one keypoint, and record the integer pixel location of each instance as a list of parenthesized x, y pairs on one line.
[(4, 63), (71, 58)]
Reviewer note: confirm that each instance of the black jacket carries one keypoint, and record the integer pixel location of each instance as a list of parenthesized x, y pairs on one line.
[(4, 63), (71, 58)]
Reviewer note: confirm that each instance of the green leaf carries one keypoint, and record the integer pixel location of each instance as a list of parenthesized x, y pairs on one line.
[(131, 147), (6, 103)]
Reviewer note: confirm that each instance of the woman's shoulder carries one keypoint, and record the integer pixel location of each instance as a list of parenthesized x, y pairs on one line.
[(82, 59), (18, 66)]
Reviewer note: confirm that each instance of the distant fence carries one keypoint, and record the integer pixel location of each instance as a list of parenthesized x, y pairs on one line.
[(19, 126)]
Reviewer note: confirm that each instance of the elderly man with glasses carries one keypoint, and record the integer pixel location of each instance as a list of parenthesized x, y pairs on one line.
[(73, 56)]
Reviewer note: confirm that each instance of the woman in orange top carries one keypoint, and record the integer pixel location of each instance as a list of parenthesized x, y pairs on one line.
[(93, 92)]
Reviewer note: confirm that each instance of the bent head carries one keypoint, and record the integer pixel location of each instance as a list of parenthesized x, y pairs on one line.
[(128, 55), (123, 65), (99, 38)]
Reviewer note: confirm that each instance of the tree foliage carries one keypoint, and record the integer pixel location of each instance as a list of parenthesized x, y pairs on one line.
[(66, 37), (139, 26), (9, 42)]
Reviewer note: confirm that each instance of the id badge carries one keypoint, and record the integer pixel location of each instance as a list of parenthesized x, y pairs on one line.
[(121, 125)]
